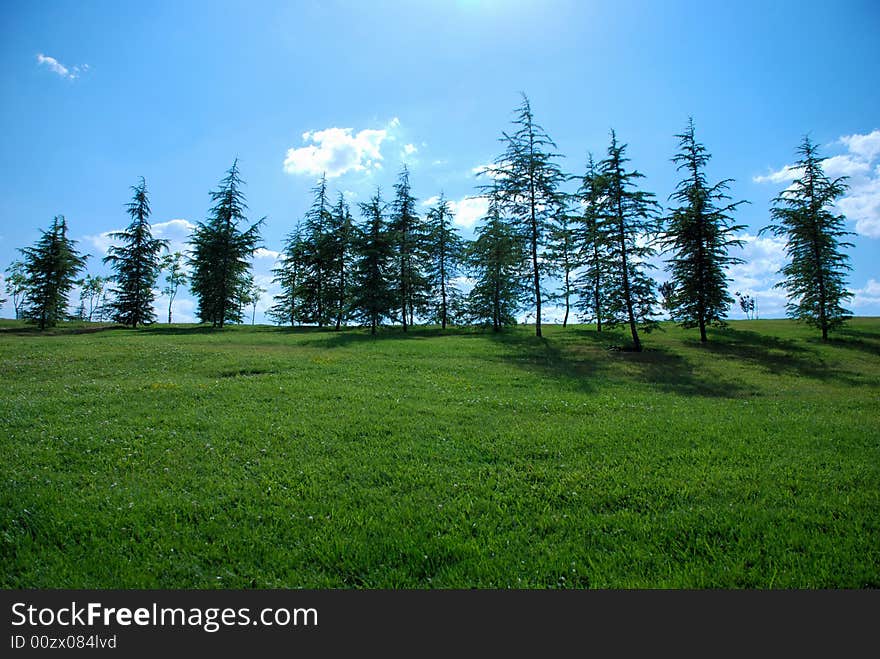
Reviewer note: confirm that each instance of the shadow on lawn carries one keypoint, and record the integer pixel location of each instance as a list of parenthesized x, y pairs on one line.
[(584, 356), (868, 342), (33, 330), (771, 353)]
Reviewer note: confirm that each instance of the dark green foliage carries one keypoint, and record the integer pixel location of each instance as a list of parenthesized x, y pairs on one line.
[(341, 255), (220, 251), (528, 183), (497, 259), (408, 232), (175, 277), (288, 275), (50, 266), (815, 277), (136, 262), (698, 234), (316, 294), (627, 223), (594, 243), (445, 250), (375, 296)]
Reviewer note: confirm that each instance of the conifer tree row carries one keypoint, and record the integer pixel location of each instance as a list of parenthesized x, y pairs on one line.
[(594, 246)]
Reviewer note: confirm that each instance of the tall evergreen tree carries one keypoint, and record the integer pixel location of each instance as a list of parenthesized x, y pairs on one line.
[(594, 247), (375, 295), (445, 250), (136, 262), (409, 239), (341, 247), (629, 220), (699, 234), (815, 276), (288, 275), (315, 285), (497, 259), (220, 252), (529, 180), (50, 266), (175, 277)]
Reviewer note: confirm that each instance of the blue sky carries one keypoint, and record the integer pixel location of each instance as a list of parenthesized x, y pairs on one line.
[(97, 94)]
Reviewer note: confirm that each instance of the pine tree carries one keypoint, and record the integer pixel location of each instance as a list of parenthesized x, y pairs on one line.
[(340, 257), (629, 220), (445, 250), (409, 239), (288, 275), (220, 251), (594, 247), (175, 277), (815, 277), (498, 259), (529, 180), (699, 234), (317, 297), (375, 295), (136, 262), (51, 266)]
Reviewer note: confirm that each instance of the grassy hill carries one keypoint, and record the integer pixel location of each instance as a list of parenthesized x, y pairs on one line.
[(177, 456)]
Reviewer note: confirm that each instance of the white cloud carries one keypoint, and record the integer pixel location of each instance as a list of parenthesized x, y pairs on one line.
[(764, 256), (177, 232), (867, 296), (864, 146), (409, 149), (58, 68), (861, 203), (263, 253), (101, 242), (466, 211), (336, 151), (845, 165), (785, 175)]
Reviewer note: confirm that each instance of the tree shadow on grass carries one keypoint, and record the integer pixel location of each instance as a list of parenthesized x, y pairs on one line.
[(585, 358), (33, 330), (179, 331), (868, 342), (770, 353)]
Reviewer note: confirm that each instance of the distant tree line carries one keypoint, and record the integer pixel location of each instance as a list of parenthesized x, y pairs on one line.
[(589, 251)]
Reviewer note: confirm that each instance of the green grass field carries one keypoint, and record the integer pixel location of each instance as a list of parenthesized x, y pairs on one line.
[(181, 457)]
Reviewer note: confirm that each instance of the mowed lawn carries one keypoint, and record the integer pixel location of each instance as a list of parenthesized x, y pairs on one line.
[(181, 457)]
